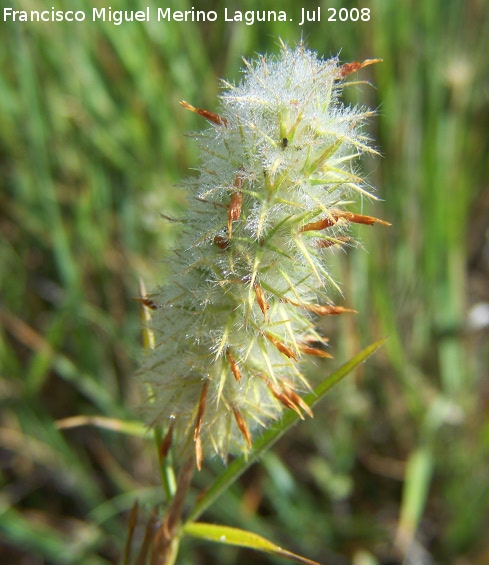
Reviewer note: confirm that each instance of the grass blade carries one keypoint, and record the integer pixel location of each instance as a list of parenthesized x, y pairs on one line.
[(241, 538)]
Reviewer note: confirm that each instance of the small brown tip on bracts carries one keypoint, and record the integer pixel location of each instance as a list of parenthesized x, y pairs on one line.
[(215, 118), (281, 347), (146, 302), (234, 366), (315, 339), (314, 351), (261, 299), (319, 225), (359, 218), (325, 243), (323, 310), (290, 399), (341, 215), (198, 426), (328, 310), (349, 68), (234, 209), (222, 242), (299, 401), (167, 441), (284, 399), (242, 425)]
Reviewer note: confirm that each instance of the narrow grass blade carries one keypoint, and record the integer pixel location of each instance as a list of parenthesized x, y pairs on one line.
[(241, 538), (130, 532), (127, 427), (274, 432), (419, 473)]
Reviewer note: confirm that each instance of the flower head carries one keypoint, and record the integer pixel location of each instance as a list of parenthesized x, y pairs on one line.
[(250, 277)]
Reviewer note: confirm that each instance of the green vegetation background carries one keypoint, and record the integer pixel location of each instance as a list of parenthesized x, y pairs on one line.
[(91, 147)]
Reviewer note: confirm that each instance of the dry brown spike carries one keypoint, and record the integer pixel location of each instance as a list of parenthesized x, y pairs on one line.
[(260, 297), (349, 68), (323, 310), (198, 426), (242, 425), (284, 399), (234, 366), (222, 242), (315, 340), (167, 440), (358, 218), (215, 118), (319, 224), (281, 347), (289, 398), (299, 401), (234, 210), (325, 243), (146, 302), (341, 214), (313, 351), (328, 310)]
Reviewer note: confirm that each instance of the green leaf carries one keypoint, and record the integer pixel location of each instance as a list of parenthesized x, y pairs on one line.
[(241, 538), (275, 431)]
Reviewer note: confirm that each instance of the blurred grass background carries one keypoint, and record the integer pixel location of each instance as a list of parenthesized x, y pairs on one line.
[(395, 466)]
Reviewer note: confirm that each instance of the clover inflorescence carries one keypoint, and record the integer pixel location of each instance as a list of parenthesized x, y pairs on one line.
[(249, 277)]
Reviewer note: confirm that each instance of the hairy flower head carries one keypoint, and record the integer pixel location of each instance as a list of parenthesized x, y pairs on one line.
[(249, 277)]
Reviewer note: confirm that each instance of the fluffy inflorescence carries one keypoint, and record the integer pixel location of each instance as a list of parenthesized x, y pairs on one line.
[(249, 277)]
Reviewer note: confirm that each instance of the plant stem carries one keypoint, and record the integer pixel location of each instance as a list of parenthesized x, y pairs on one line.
[(167, 538)]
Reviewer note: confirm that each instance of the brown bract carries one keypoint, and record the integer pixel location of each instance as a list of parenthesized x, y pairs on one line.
[(208, 115), (341, 214), (349, 68)]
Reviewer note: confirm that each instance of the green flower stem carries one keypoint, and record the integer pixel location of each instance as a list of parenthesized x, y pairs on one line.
[(167, 474)]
